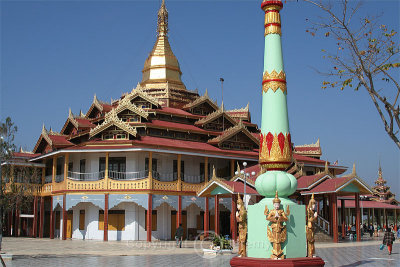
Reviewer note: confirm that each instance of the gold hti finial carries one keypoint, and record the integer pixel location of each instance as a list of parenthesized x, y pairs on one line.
[(162, 23), (276, 199)]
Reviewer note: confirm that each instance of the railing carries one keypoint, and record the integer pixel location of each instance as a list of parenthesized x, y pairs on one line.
[(323, 224), (90, 176), (193, 179), (165, 177), (127, 175), (59, 178), (48, 179)]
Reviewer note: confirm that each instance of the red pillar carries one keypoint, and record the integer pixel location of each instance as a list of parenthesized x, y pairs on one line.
[(149, 213), (343, 218), (330, 214), (51, 219), (216, 216), (105, 237), (334, 228), (206, 218), (233, 218), (35, 214), (41, 218), (179, 213), (64, 217), (16, 221), (358, 217)]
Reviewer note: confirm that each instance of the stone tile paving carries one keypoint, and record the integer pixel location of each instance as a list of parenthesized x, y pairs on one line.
[(364, 254)]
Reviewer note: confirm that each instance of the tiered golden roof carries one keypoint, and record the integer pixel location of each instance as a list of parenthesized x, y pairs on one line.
[(161, 73)]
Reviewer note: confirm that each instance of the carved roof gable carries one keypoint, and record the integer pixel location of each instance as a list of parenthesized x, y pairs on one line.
[(233, 131), (200, 100), (111, 119)]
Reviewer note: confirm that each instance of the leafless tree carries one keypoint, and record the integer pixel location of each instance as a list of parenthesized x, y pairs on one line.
[(366, 56)]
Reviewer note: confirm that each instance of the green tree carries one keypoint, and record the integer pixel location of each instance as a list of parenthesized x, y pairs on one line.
[(19, 179), (366, 56)]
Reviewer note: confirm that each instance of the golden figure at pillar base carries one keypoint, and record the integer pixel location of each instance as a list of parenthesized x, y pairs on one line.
[(277, 232), (241, 217), (310, 228)]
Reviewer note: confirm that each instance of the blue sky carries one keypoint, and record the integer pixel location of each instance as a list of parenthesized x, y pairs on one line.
[(56, 55)]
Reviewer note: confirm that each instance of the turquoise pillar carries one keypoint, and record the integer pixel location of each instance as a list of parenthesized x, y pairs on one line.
[(275, 154)]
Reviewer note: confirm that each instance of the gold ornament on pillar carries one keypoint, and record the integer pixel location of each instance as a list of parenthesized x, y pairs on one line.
[(241, 217), (277, 232), (310, 229)]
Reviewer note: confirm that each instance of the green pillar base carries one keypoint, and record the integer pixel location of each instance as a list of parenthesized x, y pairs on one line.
[(258, 245)]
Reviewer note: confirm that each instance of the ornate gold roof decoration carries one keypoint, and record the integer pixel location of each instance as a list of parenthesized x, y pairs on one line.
[(214, 115), (232, 131), (45, 136), (97, 103), (317, 144), (71, 118), (125, 103), (138, 91), (274, 81), (200, 100), (111, 119), (23, 151)]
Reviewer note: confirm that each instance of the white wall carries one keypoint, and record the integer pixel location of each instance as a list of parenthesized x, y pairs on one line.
[(163, 222)]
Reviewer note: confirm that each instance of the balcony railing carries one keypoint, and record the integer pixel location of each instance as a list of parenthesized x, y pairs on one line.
[(127, 175), (82, 176), (193, 179), (165, 176)]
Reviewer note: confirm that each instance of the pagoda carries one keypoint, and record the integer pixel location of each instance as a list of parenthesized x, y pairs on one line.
[(381, 192), (161, 72)]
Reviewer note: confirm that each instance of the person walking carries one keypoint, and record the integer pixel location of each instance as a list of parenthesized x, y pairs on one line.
[(179, 236), (388, 239)]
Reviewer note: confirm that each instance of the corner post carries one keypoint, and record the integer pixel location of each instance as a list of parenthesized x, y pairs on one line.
[(41, 220), (358, 229), (149, 217), (64, 218), (106, 171), (216, 215), (343, 213), (179, 164), (179, 213), (205, 169), (35, 216), (334, 219), (105, 237), (233, 218), (206, 217), (51, 219)]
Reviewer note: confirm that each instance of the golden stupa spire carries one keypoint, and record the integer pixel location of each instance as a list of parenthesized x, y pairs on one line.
[(162, 24), (161, 66)]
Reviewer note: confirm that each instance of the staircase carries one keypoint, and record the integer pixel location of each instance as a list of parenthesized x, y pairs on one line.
[(322, 230)]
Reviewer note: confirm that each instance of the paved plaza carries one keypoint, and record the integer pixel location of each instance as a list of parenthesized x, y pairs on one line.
[(46, 252)]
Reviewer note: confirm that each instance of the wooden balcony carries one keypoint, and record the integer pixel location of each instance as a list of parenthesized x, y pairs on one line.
[(120, 181)]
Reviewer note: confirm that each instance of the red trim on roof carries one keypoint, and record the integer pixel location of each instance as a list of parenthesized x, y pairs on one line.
[(238, 187), (330, 185), (25, 155), (60, 140), (176, 125), (304, 182)]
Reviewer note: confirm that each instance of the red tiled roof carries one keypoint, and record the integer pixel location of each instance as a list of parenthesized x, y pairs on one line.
[(106, 107), (25, 155), (305, 181), (157, 142), (85, 123), (238, 187), (176, 125), (174, 111), (311, 148), (367, 204), (308, 159), (330, 185), (60, 140)]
